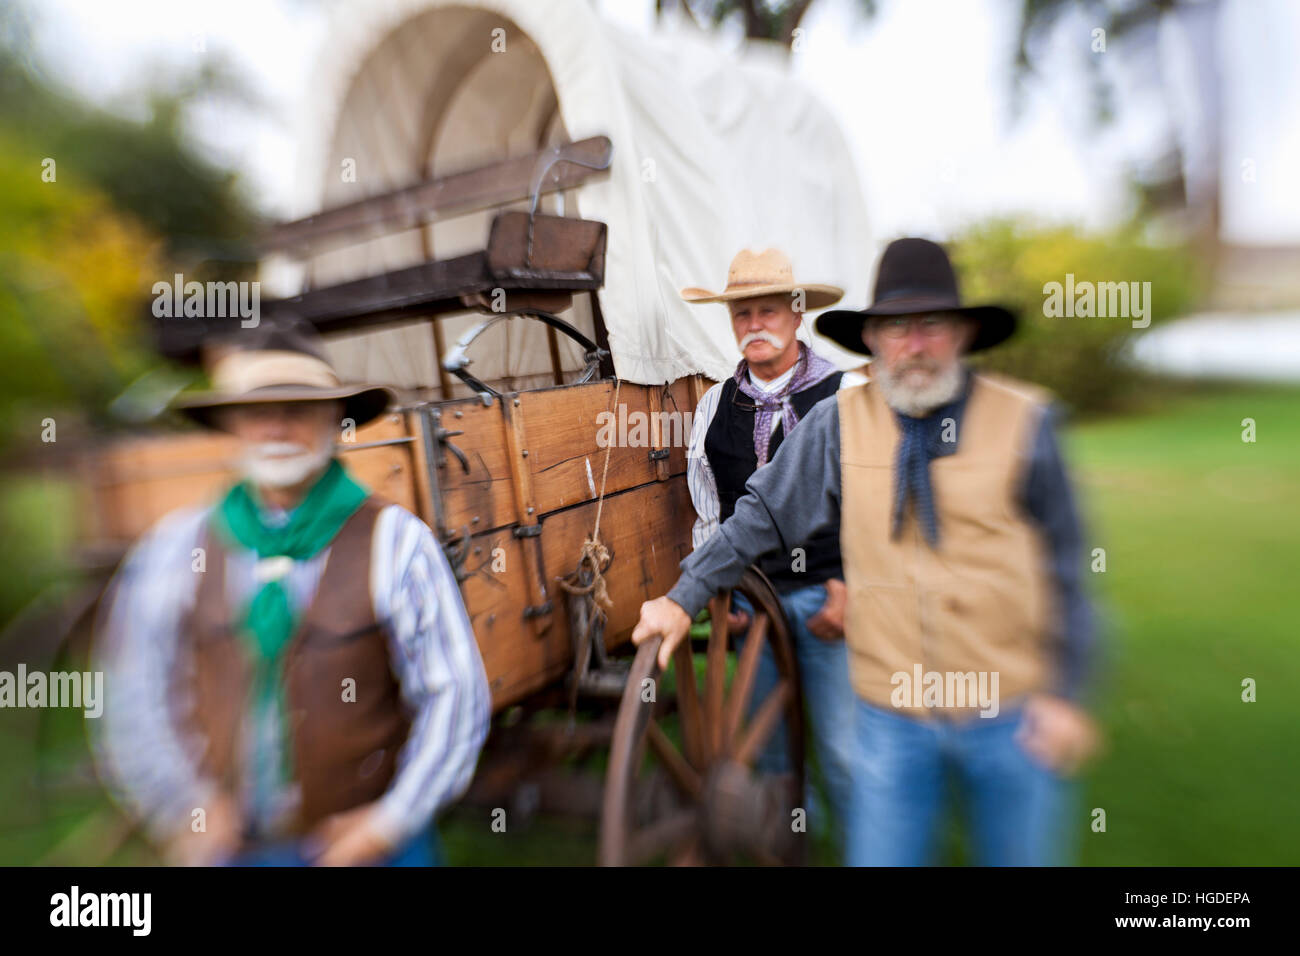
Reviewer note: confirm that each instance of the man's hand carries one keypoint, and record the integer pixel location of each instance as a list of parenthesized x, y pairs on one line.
[(828, 622), (1057, 733), (737, 622), (351, 838), (218, 841), (664, 618)]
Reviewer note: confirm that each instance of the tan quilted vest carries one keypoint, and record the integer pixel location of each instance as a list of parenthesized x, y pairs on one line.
[(979, 602)]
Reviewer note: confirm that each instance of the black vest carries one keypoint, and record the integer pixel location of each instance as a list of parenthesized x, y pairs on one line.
[(729, 447)]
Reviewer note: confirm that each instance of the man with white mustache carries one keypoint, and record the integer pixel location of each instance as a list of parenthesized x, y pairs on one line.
[(738, 426), (291, 675), (962, 554)]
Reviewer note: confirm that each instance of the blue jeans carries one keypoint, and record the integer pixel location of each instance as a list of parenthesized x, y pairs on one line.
[(828, 701), (421, 850), (1017, 807)]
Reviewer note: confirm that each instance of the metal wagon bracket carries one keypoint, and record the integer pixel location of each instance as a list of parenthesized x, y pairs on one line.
[(457, 360), (575, 153)]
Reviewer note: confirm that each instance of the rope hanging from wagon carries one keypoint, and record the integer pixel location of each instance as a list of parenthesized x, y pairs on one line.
[(595, 555)]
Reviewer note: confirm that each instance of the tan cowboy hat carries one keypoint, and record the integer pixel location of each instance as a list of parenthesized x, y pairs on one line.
[(282, 363), (769, 272)]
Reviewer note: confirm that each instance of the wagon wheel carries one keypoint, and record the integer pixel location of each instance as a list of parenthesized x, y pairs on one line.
[(699, 799)]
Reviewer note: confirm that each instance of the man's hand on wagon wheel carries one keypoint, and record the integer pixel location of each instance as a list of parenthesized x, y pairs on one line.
[(662, 617)]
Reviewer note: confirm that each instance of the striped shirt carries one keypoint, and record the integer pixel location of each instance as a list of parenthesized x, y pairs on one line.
[(151, 760), (699, 475)]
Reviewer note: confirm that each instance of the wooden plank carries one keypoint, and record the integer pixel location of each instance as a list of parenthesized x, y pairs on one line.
[(482, 498), (649, 530), (689, 713), (539, 613), (742, 684), (136, 481), (566, 462), (678, 767), (386, 469), (546, 248), (715, 677), (434, 199), (429, 287), (659, 435), (569, 464), (764, 723)]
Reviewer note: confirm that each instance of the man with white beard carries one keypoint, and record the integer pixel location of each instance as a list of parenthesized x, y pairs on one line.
[(291, 675), (962, 556), (738, 426)]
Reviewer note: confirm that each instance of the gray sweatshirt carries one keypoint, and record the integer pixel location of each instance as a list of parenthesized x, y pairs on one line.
[(798, 493)]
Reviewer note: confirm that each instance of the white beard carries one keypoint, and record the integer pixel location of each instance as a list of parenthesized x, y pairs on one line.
[(918, 401), (276, 464)]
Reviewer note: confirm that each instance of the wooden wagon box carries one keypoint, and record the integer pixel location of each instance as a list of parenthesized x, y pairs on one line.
[(512, 488)]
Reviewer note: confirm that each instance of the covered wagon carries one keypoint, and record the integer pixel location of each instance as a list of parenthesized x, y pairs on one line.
[(498, 202)]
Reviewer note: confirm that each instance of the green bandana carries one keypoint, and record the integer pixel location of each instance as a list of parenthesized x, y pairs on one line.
[(269, 621)]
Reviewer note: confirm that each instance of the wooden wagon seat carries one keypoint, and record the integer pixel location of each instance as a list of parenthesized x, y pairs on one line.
[(561, 255), (566, 255)]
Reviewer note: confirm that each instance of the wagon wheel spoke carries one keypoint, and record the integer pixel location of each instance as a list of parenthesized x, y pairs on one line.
[(715, 679), (661, 837), (742, 686), (688, 706), (690, 854), (679, 770), (683, 787), (764, 723)]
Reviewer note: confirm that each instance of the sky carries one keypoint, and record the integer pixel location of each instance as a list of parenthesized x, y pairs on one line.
[(922, 92)]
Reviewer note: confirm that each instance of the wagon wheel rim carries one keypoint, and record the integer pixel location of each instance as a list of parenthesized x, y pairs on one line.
[(704, 799)]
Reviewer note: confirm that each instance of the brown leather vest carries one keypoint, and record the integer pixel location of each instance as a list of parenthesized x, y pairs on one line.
[(977, 603), (343, 752)]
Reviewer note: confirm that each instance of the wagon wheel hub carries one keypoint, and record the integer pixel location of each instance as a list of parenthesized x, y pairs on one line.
[(746, 815)]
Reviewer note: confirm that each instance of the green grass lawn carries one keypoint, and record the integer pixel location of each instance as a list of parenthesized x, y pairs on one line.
[(1202, 536), (1200, 532)]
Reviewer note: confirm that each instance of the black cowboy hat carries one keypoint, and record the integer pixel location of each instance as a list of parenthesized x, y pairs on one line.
[(915, 276)]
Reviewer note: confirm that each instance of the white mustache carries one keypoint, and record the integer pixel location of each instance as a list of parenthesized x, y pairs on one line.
[(762, 336)]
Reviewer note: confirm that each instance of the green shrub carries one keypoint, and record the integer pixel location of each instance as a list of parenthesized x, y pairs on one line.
[(1079, 358)]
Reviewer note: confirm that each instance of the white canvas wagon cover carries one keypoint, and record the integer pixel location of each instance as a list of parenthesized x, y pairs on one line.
[(713, 151)]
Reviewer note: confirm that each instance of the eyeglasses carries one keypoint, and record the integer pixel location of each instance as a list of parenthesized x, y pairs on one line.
[(931, 326)]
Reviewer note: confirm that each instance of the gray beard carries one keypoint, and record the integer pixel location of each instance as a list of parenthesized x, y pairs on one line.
[(919, 401)]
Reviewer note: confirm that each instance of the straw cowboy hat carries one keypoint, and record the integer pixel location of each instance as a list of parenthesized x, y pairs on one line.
[(769, 272), (916, 276), (280, 363)]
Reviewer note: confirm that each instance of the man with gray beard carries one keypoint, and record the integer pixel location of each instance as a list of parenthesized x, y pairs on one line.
[(291, 674), (962, 555)]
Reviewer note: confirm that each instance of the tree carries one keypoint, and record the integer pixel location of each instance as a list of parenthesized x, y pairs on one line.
[(774, 20), (1184, 176), (96, 209)]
